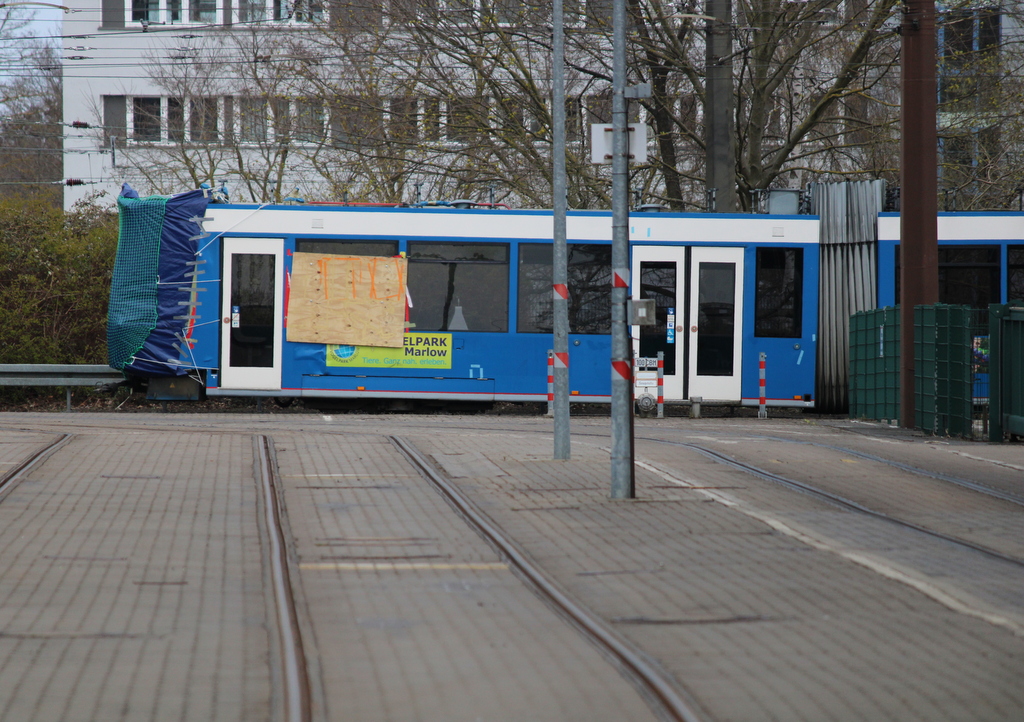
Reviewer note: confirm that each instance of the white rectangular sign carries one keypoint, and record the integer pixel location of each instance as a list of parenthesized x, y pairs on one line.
[(601, 143)]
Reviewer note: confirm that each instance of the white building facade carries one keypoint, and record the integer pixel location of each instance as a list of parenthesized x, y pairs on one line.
[(129, 123)]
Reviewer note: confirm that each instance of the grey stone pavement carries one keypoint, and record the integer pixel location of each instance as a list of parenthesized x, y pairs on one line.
[(134, 570)]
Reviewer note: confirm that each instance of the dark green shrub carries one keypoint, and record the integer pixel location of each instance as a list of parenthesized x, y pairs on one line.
[(54, 282)]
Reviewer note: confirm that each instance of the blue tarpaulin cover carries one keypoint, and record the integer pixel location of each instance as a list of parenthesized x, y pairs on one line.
[(150, 291)]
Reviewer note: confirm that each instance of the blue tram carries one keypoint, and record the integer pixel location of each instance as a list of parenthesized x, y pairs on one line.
[(447, 304), (980, 258)]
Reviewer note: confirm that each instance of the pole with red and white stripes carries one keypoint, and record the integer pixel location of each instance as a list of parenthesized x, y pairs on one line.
[(762, 409), (551, 382), (661, 384)]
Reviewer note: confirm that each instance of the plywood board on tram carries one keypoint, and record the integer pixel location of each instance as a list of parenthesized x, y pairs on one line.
[(352, 300)]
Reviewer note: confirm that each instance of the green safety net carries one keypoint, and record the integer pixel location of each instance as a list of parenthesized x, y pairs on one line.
[(132, 313)]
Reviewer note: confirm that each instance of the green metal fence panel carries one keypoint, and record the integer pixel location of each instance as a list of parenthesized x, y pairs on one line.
[(945, 378), (943, 369), (1013, 371), (1006, 364), (875, 364)]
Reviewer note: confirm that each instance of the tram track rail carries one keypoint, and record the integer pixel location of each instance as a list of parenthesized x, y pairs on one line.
[(295, 685), (1017, 499), (10, 478), (938, 475), (793, 484), (796, 485), (960, 481), (658, 685), (842, 502), (295, 676)]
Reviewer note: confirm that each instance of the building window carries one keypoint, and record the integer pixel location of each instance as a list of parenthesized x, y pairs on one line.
[(779, 292), (458, 286), (146, 119), (252, 120), (403, 120), (229, 119), (112, 14), (573, 119), (589, 270), (147, 11), (251, 11), (465, 119), (518, 117), (512, 12), (115, 116), (968, 54), (599, 108), (203, 120), (309, 121), (431, 118), (280, 109), (407, 12), (356, 121), (307, 11), (347, 16), (175, 119), (203, 11)]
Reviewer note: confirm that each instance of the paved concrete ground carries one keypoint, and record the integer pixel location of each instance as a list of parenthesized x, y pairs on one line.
[(133, 571)]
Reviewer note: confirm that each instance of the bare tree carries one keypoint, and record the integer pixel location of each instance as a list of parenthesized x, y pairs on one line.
[(226, 114), (30, 115), (368, 99), (805, 76), (980, 93)]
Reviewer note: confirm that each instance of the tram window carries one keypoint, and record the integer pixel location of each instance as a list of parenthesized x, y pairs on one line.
[(458, 286), (252, 294), (778, 301), (659, 281), (968, 275), (590, 279), (1015, 273), (339, 247)]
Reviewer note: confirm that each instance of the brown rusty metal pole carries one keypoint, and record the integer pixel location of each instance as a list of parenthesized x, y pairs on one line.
[(919, 253), (719, 123)]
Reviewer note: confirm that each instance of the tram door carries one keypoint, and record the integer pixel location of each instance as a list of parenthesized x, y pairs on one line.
[(698, 317), (252, 313), (715, 322), (659, 274)]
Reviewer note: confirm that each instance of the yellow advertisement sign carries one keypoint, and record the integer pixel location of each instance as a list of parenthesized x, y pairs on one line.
[(419, 351)]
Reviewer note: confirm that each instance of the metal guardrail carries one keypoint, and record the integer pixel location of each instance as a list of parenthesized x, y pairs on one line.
[(67, 375)]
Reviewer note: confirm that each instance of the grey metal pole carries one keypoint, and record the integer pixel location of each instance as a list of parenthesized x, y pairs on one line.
[(560, 255), (622, 368)]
